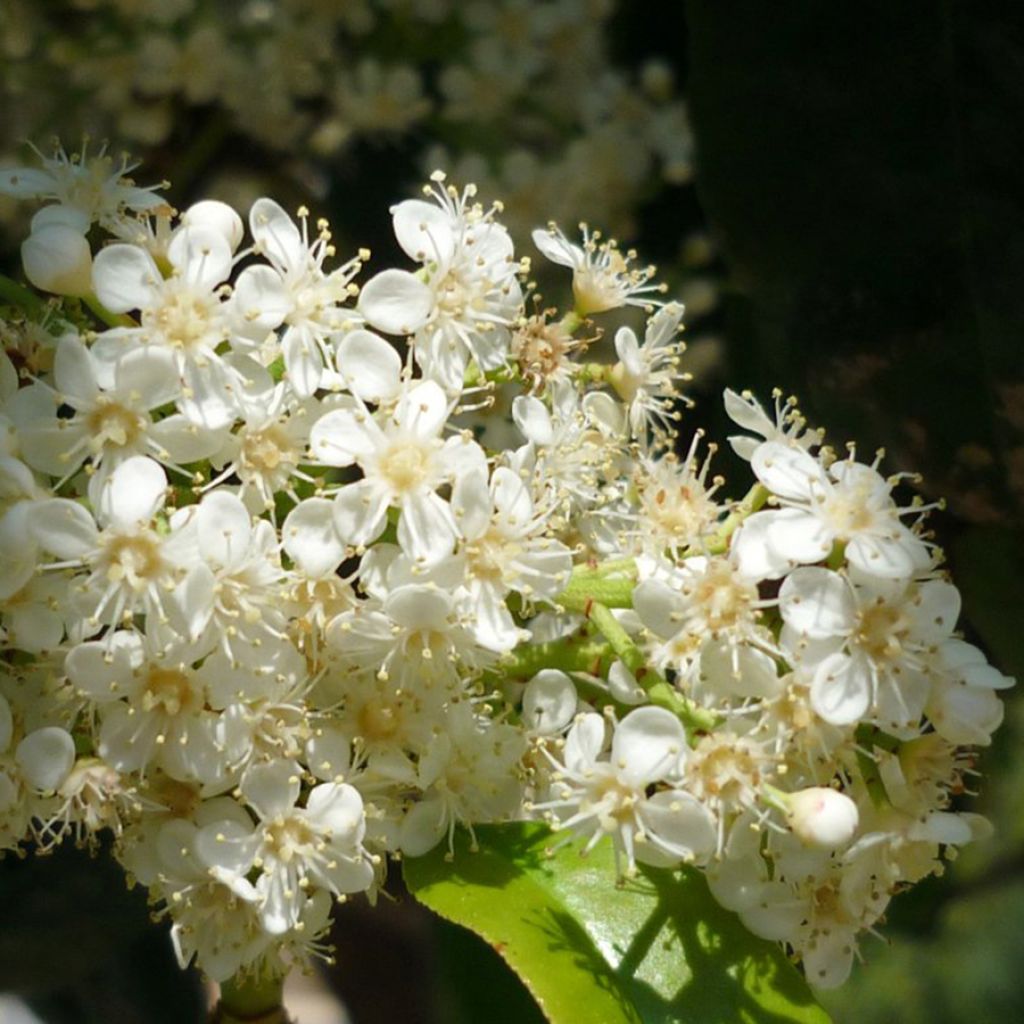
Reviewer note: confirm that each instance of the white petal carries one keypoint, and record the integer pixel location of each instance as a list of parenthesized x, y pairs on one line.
[(549, 702), (557, 249), (276, 234), (423, 409), (202, 256), (533, 419), (648, 744), (679, 827), (271, 788), (584, 743), (818, 603), (841, 689), (303, 360), (343, 436), (627, 348), (103, 669), (261, 300), (371, 367), (423, 231), (125, 278), (74, 374), (328, 753), (184, 441), (936, 610), (748, 414), (657, 604), (64, 528), (471, 503), (799, 536), (419, 607), (788, 471), (426, 529), (46, 757), (338, 809), (224, 528), (622, 685), (134, 493), (310, 538), (216, 216), (360, 512), (422, 827), (753, 556), (147, 377), (396, 302)]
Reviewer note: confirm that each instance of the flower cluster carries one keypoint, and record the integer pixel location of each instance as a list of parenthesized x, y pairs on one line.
[(300, 575)]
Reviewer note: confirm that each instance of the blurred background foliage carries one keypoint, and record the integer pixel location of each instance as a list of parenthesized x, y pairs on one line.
[(840, 202)]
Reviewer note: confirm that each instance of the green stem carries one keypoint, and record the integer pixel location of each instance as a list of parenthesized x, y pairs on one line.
[(249, 1000), (568, 655), (18, 295), (102, 313), (660, 692)]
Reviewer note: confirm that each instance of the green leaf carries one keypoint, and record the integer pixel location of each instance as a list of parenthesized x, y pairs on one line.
[(656, 950)]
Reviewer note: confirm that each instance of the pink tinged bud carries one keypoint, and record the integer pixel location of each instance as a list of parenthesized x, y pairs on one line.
[(822, 817), (57, 259)]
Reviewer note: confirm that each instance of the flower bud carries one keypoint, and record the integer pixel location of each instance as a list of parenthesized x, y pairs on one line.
[(46, 757), (822, 817), (57, 259)]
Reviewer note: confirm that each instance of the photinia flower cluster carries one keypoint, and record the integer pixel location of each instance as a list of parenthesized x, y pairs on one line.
[(301, 574)]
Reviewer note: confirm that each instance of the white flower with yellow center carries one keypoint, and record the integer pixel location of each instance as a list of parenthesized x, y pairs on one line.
[(464, 302), (292, 291), (183, 314), (130, 566), (505, 550), (296, 849), (601, 797), (602, 278), (849, 503), (110, 424), (404, 461)]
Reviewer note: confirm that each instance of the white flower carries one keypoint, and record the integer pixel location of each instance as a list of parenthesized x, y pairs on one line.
[(293, 291), (505, 550), (849, 503), (293, 848), (865, 644), (602, 278), (788, 427), (708, 613), (112, 423), (404, 462), (598, 798), (464, 302), (93, 188), (646, 375), (130, 566), (183, 314)]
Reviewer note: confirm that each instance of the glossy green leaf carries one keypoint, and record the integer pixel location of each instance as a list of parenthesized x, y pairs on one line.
[(656, 950)]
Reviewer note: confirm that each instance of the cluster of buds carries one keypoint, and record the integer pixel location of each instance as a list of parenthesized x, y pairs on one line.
[(300, 576)]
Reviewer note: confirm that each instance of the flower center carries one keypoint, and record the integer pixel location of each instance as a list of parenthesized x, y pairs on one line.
[(881, 630), (170, 691), (724, 600), (405, 466), (185, 319), (112, 424), (134, 560), (288, 838)]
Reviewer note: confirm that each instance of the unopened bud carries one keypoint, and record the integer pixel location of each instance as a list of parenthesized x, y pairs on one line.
[(822, 817), (57, 259)]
